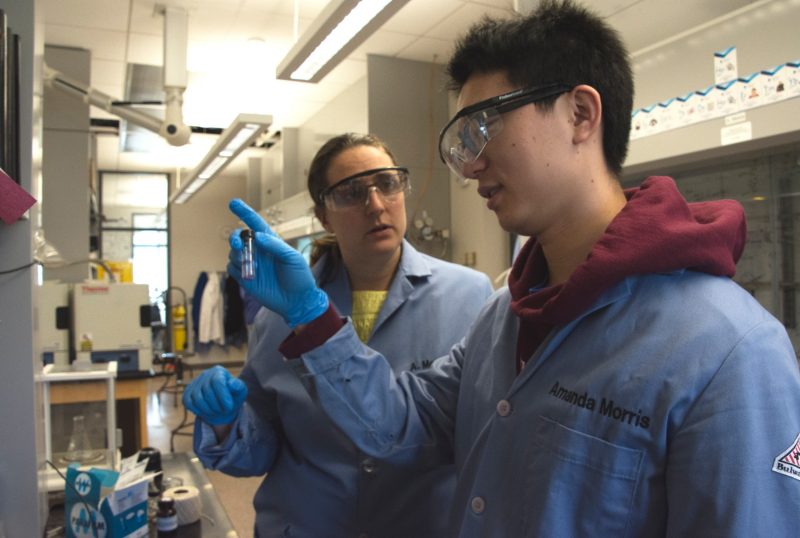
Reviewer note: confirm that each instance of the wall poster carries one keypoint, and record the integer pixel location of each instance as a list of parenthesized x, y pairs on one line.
[(737, 95)]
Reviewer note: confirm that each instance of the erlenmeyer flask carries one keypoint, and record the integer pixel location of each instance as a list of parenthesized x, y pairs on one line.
[(79, 449)]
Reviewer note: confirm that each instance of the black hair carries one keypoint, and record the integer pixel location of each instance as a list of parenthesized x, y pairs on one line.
[(558, 42)]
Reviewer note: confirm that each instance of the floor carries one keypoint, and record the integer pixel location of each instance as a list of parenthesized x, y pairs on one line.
[(236, 494)]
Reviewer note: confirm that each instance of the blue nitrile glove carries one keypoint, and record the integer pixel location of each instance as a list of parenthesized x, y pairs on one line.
[(215, 396), (283, 281)]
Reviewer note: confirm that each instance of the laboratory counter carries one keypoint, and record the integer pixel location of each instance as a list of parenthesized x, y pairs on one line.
[(185, 467)]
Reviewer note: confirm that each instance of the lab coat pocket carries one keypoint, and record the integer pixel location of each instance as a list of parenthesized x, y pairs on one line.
[(580, 485)]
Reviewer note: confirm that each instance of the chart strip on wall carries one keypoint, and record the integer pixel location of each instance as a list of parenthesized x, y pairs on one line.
[(718, 100)]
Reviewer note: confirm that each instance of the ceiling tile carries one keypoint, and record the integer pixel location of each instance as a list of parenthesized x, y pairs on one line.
[(417, 17), (146, 19), (308, 8), (213, 23), (229, 73), (382, 42), (111, 15), (640, 31), (506, 6), (609, 8), (428, 49), (272, 28), (104, 44), (462, 19)]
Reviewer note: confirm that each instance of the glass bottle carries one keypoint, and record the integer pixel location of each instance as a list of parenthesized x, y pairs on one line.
[(79, 447), (248, 262), (167, 518)]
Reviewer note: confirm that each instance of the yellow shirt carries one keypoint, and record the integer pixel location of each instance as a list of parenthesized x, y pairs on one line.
[(366, 306)]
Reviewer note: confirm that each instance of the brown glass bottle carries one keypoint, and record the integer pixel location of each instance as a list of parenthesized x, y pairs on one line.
[(167, 518)]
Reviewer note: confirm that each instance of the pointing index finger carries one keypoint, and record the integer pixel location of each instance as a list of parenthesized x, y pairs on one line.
[(250, 217)]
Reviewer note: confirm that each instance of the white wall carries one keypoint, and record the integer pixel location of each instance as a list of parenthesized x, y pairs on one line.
[(199, 231), (407, 107), (477, 238), (347, 112)]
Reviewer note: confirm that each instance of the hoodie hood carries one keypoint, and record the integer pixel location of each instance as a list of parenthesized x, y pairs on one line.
[(657, 231)]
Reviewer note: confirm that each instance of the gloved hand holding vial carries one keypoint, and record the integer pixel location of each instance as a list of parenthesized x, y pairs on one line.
[(282, 280)]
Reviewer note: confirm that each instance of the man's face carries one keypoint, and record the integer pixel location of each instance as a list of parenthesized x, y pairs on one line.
[(521, 171)]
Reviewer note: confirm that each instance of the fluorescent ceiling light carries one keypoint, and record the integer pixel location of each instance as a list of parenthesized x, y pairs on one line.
[(335, 33), (233, 140)]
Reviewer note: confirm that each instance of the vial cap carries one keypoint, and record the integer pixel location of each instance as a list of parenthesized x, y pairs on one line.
[(165, 503), (246, 234)]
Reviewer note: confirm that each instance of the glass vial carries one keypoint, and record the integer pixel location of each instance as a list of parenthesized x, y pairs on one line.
[(248, 264), (166, 518)]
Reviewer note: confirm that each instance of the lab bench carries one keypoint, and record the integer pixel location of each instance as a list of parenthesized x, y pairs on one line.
[(214, 522)]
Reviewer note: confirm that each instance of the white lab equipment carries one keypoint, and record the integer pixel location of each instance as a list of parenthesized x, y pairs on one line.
[(111, 322), (53, 312), (79, 419)]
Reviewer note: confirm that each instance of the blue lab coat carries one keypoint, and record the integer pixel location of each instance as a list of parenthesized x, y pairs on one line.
[(671, 407), (319, 484)]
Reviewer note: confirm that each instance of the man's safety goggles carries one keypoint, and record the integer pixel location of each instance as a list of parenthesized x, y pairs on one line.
[(463, 139), (354, 191)]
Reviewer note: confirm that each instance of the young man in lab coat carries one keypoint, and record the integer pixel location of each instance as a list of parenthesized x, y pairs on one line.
[(623, 384)]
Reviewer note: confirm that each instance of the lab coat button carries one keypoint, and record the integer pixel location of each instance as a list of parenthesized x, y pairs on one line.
[(477, 504), (368, 466), (503, 408)]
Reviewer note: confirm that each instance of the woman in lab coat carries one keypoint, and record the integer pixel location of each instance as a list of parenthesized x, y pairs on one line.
[(403, 304)]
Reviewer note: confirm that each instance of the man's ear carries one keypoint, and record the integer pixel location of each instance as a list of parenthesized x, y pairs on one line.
[(322, 215), (587, 112)]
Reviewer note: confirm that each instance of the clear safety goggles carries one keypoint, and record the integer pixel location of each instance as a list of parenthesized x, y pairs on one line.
[(353, 191), (464, 138)]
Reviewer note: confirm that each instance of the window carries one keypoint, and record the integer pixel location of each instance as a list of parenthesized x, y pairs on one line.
[(150, 254), (134, 226)]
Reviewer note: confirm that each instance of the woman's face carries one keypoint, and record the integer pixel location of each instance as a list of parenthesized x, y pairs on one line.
[(371, 231)]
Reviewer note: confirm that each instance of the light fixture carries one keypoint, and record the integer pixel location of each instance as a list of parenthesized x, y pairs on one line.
[(335, 33), (233, 140)]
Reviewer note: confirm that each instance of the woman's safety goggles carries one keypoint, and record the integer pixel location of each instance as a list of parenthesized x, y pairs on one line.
[(354, 191), (463, 139)]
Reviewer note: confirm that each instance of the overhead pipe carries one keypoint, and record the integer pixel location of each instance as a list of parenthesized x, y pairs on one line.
[(171, 127), (59, 81)]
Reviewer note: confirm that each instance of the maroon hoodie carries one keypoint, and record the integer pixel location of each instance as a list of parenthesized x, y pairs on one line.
[(656, 232)]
